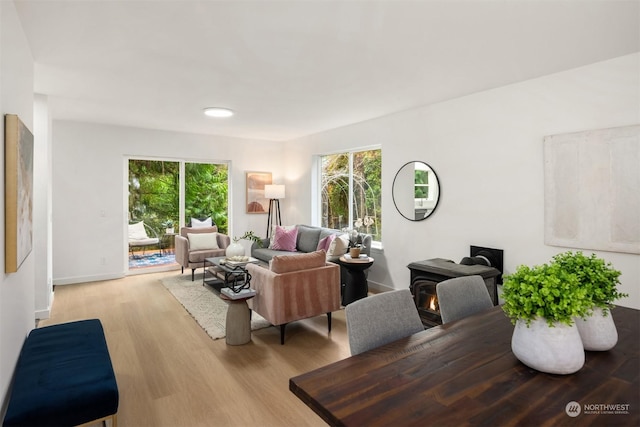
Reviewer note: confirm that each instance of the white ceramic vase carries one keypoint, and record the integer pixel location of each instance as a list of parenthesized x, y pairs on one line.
[(554, 350), (598, 332), (234, 249)]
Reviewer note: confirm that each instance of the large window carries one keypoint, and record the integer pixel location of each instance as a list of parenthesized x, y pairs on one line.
[(154, 189), (154, 192), (206, 193), (351, 191)]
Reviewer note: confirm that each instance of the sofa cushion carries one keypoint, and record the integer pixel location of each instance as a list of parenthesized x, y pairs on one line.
[(137, 231), (184, 231), (325, 243), (202, 241), (324, 232), (307, 238), (288, 263), (198, 257), (273, 232), (338, 246), (285, 240), (197, 223)]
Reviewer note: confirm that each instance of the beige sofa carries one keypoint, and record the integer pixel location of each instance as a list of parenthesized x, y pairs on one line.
[(191, 252), (295, 287)]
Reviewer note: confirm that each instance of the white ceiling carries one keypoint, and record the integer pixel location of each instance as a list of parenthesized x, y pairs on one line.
[(293, 68)]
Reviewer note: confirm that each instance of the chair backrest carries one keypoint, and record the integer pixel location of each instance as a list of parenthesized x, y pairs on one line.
[(461, 297), (380, 319), (193, 230), (140, 230)]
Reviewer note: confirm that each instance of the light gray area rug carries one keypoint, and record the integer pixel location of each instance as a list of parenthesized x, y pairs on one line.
[(204, 304)]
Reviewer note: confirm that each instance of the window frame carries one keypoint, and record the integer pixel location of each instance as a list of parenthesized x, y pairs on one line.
[(318, 181)]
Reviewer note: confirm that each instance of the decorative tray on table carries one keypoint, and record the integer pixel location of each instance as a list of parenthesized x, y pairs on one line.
[(243, 293), (361, 258), (238, 260)]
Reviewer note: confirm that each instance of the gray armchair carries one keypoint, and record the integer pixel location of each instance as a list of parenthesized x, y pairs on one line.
[(191, 251)]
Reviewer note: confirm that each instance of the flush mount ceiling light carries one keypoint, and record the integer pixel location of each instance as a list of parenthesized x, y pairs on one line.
[(218, 112)]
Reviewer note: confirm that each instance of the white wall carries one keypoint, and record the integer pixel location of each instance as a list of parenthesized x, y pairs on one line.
[(42, 226), (487, 151), (89, 210), (17, 289)]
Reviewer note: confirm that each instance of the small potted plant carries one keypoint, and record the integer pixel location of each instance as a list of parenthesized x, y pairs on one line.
[(250, 235), (600, 280), (168, 227), (542, 301), (355, 242), (236, 249)]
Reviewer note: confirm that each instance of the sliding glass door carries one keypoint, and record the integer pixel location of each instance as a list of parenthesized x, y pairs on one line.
[(154, 193), (163, 194), (206, 193)]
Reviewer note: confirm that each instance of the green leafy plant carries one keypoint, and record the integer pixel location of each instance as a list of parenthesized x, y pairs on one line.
[(249, 235), (168, 224), (598, 277), (547, 291)]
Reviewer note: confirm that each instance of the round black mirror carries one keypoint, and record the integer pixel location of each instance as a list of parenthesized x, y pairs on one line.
[(416, 191)]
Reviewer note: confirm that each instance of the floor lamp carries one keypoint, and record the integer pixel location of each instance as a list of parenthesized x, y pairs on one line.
[(274, 193)]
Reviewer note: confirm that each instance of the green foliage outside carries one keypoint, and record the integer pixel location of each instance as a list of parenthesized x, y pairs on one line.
[(421, 177), (207, 193), (367, 192), (154, 192), (335, 190)]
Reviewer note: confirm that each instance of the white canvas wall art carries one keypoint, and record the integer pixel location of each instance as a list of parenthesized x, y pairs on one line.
[(592, 189)]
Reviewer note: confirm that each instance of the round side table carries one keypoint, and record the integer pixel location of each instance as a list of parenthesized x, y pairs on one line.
[(356, 287), (238, 327)]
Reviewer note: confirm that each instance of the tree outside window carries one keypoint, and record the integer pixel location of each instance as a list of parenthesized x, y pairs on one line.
[(154, 193), (351, 191), (206, 193)]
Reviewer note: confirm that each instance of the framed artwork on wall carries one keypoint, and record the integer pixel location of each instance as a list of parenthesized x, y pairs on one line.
[(18, 192), (256, 202)]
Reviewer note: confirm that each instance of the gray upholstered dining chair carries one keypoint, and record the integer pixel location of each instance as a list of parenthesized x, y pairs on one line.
[(461, 297), (380, 319)]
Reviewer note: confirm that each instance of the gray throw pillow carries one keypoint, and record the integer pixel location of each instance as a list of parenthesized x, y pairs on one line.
[(308, 238)]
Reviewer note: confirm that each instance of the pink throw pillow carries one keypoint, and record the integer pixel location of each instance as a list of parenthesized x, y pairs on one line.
[(285, 240), (324, 243)]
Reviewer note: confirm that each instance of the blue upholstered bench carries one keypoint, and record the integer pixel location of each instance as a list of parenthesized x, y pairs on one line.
[(64, 377)]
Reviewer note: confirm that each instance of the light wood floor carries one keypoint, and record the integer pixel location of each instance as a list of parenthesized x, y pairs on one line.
[(170, 373)]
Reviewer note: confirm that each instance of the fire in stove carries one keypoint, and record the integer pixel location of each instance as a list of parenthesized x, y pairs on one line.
[(429, 303), (433, 304)]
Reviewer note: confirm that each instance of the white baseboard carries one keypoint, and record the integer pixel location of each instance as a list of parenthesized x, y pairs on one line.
[(379, 287), (46, 313), (83, 279), (158, 269), (43, 314)]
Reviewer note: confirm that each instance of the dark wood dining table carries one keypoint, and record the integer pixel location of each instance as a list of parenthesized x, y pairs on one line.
[(464, 374)]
